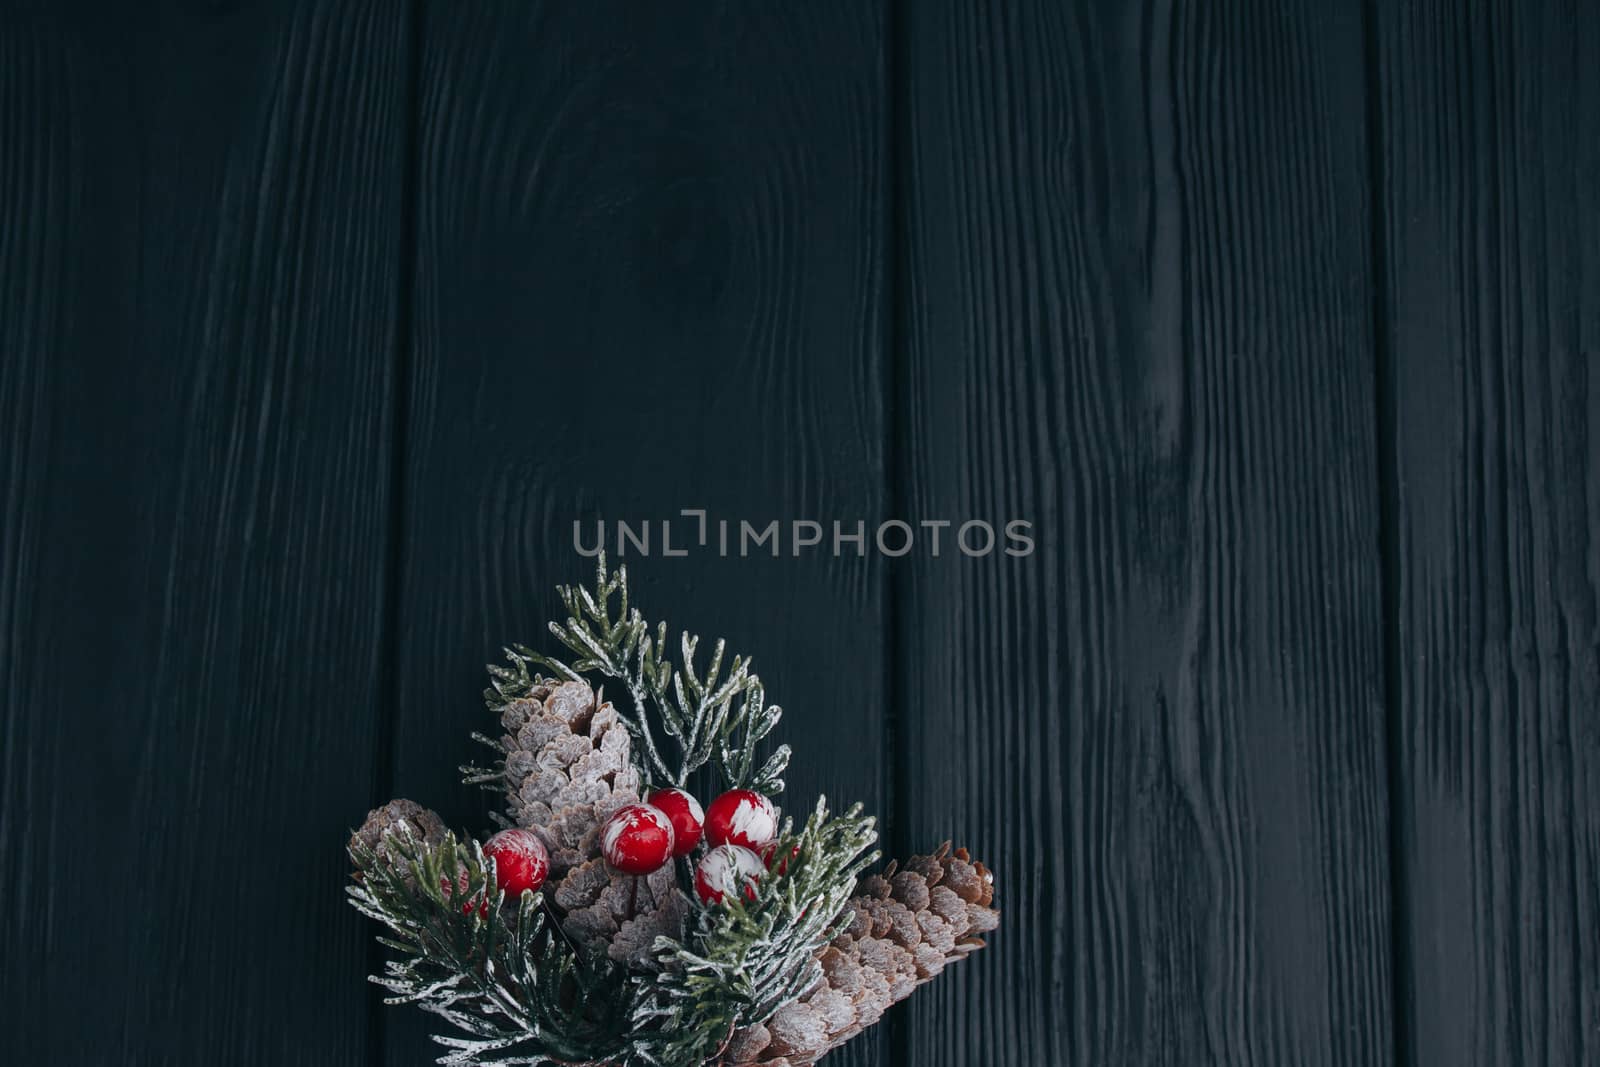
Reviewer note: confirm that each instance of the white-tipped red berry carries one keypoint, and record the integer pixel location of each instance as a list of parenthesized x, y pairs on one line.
[(741, 817), (637, 839), (686, 815), (727, 870), (521, 861)]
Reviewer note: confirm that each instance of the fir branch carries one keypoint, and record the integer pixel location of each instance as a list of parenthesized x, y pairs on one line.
[(493, 969), (707, 717), (505, 976), (744, 961)]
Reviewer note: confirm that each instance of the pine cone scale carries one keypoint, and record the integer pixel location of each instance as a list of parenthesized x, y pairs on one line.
[(567, 768), (909, 923)]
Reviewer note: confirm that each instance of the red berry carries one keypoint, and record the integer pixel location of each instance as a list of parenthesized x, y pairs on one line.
[(741, 817), (637, 839), (520, 861), (769, 853), (727, 869), (461, 881), (685, 814)]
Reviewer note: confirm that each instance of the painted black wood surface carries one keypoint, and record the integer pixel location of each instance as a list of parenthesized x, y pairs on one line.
[(322, 322), (1136, 309), (1491, 379), (199, 231)]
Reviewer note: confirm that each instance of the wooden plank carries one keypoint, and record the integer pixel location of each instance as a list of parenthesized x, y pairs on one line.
[(198, 236), (1492, 260), (1137, 314), (651, 254)]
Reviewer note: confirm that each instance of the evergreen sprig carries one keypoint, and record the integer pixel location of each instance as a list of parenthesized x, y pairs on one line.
[(495, 969), (503, 973), (745, 960), (709, 718)]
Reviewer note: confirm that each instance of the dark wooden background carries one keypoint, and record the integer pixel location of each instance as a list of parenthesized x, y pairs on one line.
[(321, 321)]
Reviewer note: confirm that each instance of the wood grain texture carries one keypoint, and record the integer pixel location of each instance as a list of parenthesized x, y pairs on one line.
[(197, 242), (650, 269), (1137, 313), (1491, 207)]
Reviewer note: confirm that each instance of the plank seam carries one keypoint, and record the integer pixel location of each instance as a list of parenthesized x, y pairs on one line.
[(1386, 460), (394, 564), (896, 87)]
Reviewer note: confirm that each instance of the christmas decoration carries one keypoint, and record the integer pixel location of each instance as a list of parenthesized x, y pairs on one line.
[(741, 817), (902, 930), (776, 858), (398, 816), (727, 870), (687, 818), (586, 934), (637, 839), (520, 860), (566, 767)]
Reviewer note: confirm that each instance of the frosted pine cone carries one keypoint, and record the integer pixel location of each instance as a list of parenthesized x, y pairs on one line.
[(568, 767), (621, 911), (908, 923), (424, 825)]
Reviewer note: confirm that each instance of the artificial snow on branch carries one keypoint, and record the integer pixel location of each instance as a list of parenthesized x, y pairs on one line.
[(613, 922), (697, 712)]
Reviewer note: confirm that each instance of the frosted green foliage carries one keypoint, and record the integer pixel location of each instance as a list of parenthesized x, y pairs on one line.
[(704, 717), (744, 961), (515, 989), (496, 969)]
